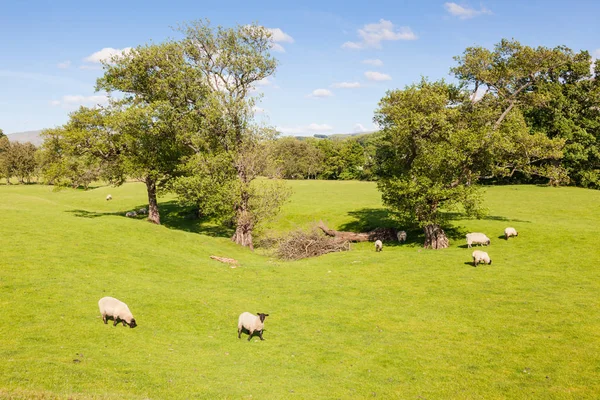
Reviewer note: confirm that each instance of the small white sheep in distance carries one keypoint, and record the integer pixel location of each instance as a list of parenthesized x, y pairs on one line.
[(252, 323), (378, 245), (508, 232), (131, 214), (401, 236), (114, 309), (477, 238), (142, 211), (108, 197), (481, 256)]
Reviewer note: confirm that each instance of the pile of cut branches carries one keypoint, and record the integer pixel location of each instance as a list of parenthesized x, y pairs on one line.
[(303, 244)]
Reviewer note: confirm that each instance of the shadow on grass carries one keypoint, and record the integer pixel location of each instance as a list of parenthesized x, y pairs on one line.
[(460, 215), (172, 216)]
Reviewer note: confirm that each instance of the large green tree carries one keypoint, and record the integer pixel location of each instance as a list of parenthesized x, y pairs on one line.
[(227, 142), (435, 146)]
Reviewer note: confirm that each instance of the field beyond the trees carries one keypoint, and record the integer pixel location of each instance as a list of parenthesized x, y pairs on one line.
[(404, 323)]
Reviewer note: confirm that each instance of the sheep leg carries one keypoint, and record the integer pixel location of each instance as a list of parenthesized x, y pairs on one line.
[(250, 334), (260, 335), (116, 321), (124, 324), (104, 318), (239, 333)]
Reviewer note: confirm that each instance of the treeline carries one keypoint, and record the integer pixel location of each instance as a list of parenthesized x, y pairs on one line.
[(18, 160), (323, 158)]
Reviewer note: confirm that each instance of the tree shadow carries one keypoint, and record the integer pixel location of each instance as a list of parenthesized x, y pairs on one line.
[(461, 215), (172, 216)]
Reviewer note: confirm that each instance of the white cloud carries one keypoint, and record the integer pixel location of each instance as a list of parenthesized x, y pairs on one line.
[(376, 62), (308, 129), (74, 101), (377, 76), (278, 48), (465, 12), (346, 85), (64, 64), (279, 36), (321, 93), (359, 128), (596, 53), (106, 54), (373, 34)]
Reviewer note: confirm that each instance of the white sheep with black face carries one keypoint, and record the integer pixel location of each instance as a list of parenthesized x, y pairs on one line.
[(378, 245), (251, 323), (481, 257), (477, 238), (111, 308), (401, 236), (508, 232), (108, 197)]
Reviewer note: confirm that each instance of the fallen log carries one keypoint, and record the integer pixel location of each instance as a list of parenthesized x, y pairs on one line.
[(385, 234)]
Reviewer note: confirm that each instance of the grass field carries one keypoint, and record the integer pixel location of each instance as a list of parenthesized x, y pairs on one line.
[(406, 323)]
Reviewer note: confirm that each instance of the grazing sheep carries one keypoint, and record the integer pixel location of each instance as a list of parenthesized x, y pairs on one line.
[(252, 323), (108, 197), (481, 256), (142, 211), (131, 214), (114, 309), (378, 245), (508, 232), (477, 238), (401, 236)]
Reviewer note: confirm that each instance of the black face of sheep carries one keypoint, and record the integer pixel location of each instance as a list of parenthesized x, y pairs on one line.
[(132, 324), (262, 316)]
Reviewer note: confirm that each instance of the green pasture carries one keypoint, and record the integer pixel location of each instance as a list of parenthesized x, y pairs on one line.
[(405, 323)]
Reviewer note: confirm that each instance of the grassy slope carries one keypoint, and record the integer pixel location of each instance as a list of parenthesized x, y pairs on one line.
[(402, 323)]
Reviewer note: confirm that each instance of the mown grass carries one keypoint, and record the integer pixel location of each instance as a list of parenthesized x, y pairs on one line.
[(404, 323)]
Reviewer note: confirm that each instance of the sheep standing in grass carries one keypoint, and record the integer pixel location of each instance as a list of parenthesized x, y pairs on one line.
[(114, 309), (378, 245), (508, 232), (108, 197), (477, 238), (131, 214), (401, 236), (142, 211), (252, 323), (481, 256)]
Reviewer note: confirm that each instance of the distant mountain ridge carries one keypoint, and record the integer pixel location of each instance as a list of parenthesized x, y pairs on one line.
[(24, 137), (36, 138)]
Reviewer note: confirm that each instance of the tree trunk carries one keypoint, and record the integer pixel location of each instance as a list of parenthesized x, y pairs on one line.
[(349, 236), (153, 214), (243, 230), (435, 237), (244, 225)]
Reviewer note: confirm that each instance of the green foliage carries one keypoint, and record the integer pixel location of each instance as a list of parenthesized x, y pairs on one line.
[(402, 323)]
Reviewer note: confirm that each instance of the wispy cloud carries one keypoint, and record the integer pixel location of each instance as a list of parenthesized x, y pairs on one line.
[(64, 64), (465, 12), (278, 36), (373, 34), (377, 76), (44, 78), (106, 54), (360, 128), (346, 85), (319, 93), (74, 101), (376, 62)]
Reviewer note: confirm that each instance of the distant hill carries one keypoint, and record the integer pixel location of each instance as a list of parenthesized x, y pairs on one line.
[(29, 136)]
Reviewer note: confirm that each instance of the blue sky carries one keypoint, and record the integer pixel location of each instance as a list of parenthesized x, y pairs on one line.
[(337, 58)]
